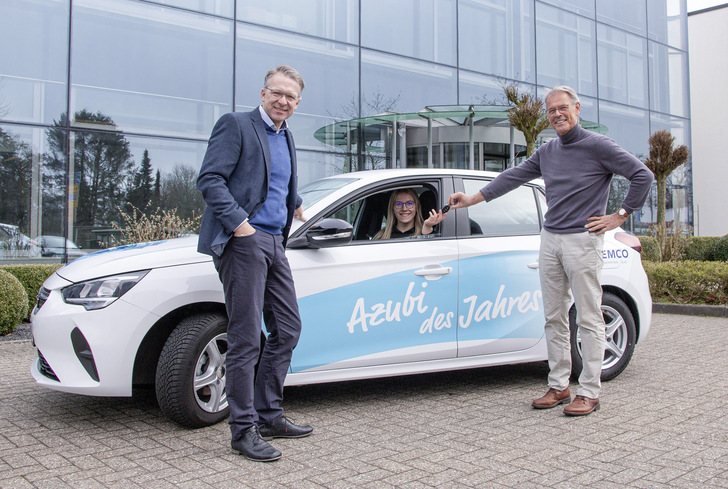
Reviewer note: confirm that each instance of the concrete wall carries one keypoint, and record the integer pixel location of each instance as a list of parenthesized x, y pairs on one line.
[(708, 44)]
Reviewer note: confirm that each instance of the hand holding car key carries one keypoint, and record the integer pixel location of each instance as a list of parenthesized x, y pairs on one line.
[(436, 218)]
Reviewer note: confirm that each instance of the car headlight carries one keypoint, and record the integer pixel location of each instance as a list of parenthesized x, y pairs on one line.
[(101, 292)]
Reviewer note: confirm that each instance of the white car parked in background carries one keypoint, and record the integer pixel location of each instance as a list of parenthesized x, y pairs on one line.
[(466, 296)]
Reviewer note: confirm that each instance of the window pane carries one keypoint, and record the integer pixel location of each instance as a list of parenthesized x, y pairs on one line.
[(22, 179), (496, 37), (223, 8), (330, 19), (34, 59), (392, 83), (177, 163), (150, 69), (626, 14), (678, 127), (514, 213), (480, 90), (628, 126), (669, 72), (33, 189), (667, 22), (422, 29), (622, 66), (329, 69), (566, 50), (582, 7), (313, 165)]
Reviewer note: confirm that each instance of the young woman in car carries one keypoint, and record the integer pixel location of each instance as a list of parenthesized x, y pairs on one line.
[(404, 217)]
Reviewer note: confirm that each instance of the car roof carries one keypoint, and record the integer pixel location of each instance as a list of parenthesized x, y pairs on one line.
[(372, 176)]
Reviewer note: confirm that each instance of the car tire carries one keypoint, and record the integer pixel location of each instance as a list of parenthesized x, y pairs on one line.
[(190, 377), (621, 335)]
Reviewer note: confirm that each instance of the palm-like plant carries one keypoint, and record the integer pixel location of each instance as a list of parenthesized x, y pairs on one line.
[(527, 114), (662, 161)]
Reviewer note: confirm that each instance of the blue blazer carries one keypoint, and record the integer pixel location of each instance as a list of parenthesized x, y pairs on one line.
[(234, 178)]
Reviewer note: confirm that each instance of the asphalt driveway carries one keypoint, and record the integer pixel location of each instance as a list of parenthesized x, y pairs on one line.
[(663, 423)]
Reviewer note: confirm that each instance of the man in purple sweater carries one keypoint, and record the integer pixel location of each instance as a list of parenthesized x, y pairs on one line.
[(577, 168)]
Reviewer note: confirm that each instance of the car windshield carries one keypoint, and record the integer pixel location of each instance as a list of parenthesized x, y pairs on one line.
[(56, 242), (318, 189)]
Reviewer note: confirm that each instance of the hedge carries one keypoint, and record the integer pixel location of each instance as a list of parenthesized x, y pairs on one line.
[(31, 277), (688, 282), (13, 302), (700, 248)]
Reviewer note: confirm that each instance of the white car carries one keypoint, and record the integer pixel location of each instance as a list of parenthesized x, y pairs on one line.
[(466, 296)]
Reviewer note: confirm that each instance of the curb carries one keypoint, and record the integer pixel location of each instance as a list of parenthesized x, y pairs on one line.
[(690, 309)]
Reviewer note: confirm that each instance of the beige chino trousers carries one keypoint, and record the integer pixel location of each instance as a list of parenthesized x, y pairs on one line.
[(573, 262)]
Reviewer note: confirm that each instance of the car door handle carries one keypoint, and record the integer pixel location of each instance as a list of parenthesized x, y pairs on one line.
[(533, 265), (433, 270)]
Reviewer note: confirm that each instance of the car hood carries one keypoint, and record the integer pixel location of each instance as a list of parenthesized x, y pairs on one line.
[(137, 256)]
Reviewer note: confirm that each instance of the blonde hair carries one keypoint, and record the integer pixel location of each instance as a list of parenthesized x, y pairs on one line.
[(386, 233)]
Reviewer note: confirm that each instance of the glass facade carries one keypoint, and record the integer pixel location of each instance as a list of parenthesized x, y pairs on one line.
[(97, 95)]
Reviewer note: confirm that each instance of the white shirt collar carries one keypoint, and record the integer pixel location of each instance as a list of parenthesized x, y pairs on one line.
[(269, 121)]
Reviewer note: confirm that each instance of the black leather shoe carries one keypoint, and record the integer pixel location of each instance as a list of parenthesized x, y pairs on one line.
[(283, 428), (253, 447)]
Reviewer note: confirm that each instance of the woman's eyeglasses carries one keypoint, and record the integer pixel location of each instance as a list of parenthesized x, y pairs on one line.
[(409, 204)]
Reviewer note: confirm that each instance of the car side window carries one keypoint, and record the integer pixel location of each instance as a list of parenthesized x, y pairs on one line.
[(348, 213), (368, 215), (514, 213)]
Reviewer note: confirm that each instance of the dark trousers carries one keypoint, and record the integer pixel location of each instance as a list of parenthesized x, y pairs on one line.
[(257, 281)]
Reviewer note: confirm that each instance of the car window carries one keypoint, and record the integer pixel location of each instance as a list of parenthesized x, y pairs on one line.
[(514, 213), (54, 241), (368, 214)]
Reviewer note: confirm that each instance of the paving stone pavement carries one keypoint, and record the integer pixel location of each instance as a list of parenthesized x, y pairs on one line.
[(663, 424)]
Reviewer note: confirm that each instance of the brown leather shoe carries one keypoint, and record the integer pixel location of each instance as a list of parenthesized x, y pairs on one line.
[(552, 398), (581, 406)]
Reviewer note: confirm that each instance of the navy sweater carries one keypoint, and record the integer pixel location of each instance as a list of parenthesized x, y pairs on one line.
[(271, 218), (577, 169)]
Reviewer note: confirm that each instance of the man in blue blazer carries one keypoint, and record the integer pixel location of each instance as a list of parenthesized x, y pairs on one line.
[(248, 180)]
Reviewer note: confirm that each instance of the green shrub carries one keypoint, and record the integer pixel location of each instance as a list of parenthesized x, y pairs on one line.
[(688, 282), (13, 303), (720, 252), (650, 248), (701, 248), (31, 277)]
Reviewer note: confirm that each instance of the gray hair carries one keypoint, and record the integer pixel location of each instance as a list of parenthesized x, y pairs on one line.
[(285, 70), (562, 88)]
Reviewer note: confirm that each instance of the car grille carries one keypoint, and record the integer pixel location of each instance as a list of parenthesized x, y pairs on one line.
[(46, 369), (42, 296)]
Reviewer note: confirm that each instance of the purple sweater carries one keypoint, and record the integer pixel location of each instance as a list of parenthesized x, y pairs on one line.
[(577, 169)]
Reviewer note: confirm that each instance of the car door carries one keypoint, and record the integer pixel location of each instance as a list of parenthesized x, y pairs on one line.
[(500, 305), (377, 302)]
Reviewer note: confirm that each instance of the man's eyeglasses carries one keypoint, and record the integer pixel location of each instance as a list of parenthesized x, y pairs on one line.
[(409, 204), (277, 95), (560, 108)]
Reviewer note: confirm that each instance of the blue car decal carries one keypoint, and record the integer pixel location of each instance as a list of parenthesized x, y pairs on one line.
[(400, 310)]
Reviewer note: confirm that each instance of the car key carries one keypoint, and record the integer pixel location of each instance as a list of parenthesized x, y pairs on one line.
[(445, 209)]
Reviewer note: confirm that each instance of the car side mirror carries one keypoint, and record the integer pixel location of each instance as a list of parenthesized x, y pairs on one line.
[(324, 234)]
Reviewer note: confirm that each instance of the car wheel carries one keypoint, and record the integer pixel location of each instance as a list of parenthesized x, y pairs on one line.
[(621, 335), (190, 380)]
